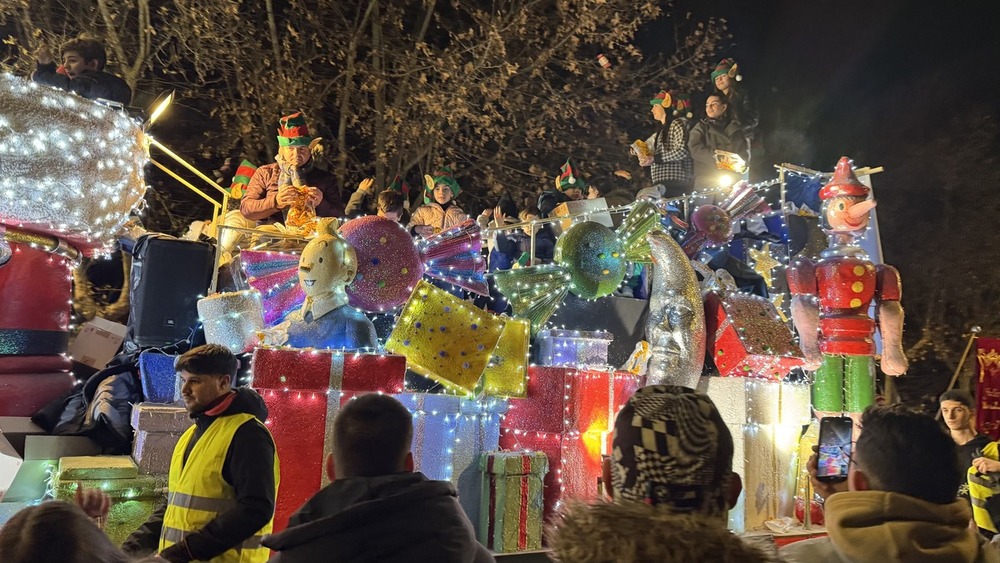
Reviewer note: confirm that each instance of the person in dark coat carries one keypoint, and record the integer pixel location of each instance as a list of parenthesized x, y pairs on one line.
[(727, 79), (717, 131), (82, 72), (377, 508)]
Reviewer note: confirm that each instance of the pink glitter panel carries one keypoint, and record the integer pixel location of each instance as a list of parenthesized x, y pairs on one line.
[(388, 264)]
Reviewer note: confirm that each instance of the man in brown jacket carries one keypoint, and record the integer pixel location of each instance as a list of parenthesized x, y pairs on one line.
[(266, 200)]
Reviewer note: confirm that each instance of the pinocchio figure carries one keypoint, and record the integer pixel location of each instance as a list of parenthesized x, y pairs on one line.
[(831, 298)]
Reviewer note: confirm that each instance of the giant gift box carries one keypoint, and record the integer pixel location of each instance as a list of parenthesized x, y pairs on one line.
[(157, 430), (450, 433), (512, 501), (568, 414), (303, 390), (746, 338), (765, 418)]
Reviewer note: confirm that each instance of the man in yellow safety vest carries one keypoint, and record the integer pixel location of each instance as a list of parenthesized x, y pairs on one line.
[(223, 473)]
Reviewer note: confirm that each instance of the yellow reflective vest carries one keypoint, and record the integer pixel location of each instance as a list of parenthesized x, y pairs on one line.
[(198, 493), (982, 487)]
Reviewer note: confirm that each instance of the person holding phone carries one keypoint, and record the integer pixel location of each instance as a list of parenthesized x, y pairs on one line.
[(900, 503)]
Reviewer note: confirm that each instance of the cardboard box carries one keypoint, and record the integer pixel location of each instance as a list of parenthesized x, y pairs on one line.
[(97, 342), (594, 206)]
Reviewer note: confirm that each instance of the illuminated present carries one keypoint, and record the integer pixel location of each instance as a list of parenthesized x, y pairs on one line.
[(746, 338), (158, 377), (233, 320), (573, 348), (97, 467), (152, 451), (132, 499), (42, 129), (445, 338), (765, 418), (507, 373), (450, 433), (37, 294), (303, 391), (566, 399), (512, 501), (154, 417)]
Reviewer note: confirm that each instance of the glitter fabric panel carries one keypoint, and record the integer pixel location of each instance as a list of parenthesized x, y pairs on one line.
[(445, 338), (233, 320), (534, 292), (512, 500), (276, 276), (594, 258), (158, 378), (507, 373), (643, 218), (289, 368), (373, 372), (69, 167), (23, 394), (543, 409), (132, 500), (36, 289), (152, 417), (573, 348), (97, 467), (746, 337), (388, 263), (152, 451)]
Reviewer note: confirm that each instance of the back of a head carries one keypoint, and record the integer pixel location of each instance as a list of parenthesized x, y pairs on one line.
[(208, 359), (960, 396), (389, 201), (371, 437), (907, 452), (56, 532), (671, 447), (88, 48)]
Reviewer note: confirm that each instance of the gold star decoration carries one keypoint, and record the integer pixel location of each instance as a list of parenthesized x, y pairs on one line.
[(777, 300), (763, 262)]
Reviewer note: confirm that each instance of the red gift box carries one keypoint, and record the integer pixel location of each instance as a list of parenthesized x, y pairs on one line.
[(37, 288), (303, 390), (563, 399), (23, 394), (746, 337)]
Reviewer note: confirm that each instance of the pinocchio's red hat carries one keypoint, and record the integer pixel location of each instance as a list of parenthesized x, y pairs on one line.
[(844, 182)]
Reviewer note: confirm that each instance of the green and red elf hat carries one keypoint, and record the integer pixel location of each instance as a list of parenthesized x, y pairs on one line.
[(727, 66), (399, 185), (238, 187), (680, 103), (443, 175), (293, 131), (568, 178)]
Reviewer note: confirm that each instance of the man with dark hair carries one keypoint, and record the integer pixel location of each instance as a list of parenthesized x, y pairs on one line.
[(900, 505), (671, 478), (377, 508), (223, 474), (82, 71), (958, 409)]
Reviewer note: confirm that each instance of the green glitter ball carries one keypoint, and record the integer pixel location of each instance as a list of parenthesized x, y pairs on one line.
[(593, 256)]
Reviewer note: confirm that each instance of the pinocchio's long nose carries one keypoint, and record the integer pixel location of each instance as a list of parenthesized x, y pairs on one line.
[(860, 209)]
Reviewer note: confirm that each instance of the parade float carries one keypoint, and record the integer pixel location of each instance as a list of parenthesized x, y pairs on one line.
[(516, 410)]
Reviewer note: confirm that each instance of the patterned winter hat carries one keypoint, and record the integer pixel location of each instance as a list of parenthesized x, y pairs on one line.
[(568, 179), (443, 175), (671, 447), (661, 99), (727, 66), (293, 131), (682, 106)]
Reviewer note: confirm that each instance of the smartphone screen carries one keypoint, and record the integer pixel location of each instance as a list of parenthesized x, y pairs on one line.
[(834, 448)]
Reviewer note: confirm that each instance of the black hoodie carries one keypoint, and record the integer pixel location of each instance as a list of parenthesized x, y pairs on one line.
[(248, 469), (386, 519)]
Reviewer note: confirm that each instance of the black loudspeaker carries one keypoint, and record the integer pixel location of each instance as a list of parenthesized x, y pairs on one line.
[(169, 276)]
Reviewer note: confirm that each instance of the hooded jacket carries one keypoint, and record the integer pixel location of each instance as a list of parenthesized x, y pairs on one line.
[(883, 527), (402, 517), (637, 533), (248, 469)]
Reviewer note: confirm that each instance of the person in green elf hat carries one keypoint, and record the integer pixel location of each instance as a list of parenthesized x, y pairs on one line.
[(439, 212), (272, 190), (669, 161), (570, 186), (727, 79)]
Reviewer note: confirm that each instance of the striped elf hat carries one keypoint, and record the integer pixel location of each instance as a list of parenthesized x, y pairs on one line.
[(568, 178), (240, 180), (293, 131)]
